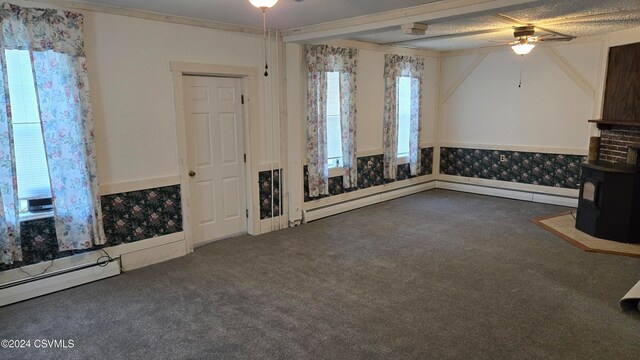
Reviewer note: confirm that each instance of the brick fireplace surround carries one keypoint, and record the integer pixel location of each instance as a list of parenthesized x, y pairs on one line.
[(615, 142)]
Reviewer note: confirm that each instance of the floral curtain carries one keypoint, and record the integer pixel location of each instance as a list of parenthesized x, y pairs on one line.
[(397, 66), (9, 225), (56, 43), (320, 60), (317, 134)]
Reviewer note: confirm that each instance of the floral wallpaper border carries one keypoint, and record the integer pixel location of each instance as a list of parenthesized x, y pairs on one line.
[(138, 215), (127, 217), (556, 170), (264, 184), (370, 173)]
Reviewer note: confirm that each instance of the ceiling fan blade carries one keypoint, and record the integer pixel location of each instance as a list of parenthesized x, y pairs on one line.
[(506, 42), (564, 38), (552, 32), (552, 37), (495, 46)]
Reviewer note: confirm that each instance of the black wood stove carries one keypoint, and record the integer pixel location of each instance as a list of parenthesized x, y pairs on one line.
[(609, 203)]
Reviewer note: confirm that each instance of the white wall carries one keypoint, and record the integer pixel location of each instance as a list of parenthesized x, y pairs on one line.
[(132, 90), (370, 100), (624, 37), (549, 111)]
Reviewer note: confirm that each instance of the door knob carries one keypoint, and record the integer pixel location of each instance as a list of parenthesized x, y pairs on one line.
[(192, 173)]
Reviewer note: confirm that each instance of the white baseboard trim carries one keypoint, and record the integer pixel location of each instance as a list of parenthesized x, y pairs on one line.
[(278, 223), (509, 193), (59, 282), (137, 259), (333, 209), (131, 256), (145, 244)]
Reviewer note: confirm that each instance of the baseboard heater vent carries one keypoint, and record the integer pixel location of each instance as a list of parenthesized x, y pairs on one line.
[(49, 283), (524, 195), (348, 205)]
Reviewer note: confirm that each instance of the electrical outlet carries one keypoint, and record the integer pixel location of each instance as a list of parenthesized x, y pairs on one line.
[(503, 158)]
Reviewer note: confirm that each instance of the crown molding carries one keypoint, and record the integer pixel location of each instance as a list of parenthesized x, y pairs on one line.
[(148, 15)]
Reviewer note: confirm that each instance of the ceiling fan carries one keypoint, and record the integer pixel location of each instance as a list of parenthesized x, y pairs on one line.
[(525, 39)]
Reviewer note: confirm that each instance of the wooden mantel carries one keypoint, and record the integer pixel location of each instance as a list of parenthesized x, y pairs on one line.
[(608, 124), (622, 89)]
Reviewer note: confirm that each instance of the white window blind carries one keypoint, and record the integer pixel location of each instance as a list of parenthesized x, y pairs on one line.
[(404, 114), (31, 161), (334, 132)]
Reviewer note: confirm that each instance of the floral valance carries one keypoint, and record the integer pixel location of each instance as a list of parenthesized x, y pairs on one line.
[(329, 58), (403, 65), (42, 29)]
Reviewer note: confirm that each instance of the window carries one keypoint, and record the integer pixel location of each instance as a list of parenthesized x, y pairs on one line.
[(31, 161), (401, 119), (403, 91), (331, 117), (334, 129)]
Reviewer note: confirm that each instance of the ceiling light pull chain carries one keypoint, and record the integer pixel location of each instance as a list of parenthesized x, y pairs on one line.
[(264, 5), (264, 41), (521, 70)]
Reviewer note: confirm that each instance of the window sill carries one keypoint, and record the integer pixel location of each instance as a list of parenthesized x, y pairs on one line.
[(29, 216), (336, 171), (403, 160)]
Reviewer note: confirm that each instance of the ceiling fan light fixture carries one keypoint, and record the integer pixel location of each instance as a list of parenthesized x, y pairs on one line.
[(263, 4), (522, 49)]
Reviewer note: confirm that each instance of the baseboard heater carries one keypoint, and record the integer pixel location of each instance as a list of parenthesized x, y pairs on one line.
[(48, 283), (366, 200), (515, 194), (352, 204)]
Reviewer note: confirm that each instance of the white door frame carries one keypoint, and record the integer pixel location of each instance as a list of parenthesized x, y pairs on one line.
[(251, 116)]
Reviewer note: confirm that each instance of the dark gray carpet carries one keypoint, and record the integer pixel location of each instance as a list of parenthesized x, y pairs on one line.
[(435, 275)]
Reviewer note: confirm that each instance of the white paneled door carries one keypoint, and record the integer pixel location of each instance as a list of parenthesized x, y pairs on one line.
[(213, 114)]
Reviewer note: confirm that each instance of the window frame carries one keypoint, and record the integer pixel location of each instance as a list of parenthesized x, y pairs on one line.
[(24, 213), (404, 157), (334, 170)]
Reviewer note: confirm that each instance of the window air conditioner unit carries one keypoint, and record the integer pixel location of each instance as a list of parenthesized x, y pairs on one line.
[(39, 205)]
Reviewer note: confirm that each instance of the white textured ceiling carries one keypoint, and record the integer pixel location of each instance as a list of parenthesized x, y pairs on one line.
[(286, 14), (576, 18)]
